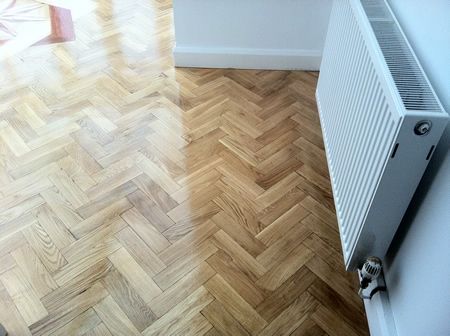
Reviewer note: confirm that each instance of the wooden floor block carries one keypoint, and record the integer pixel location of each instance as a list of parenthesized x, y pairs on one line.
[(222, 320)]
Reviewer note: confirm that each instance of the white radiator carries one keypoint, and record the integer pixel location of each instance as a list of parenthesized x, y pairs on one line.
[(380, 120)]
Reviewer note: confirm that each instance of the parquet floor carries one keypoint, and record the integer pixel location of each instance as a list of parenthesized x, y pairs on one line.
[(141, 199)]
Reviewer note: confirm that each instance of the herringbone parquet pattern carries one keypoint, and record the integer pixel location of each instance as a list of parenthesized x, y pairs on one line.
[(141, 199)]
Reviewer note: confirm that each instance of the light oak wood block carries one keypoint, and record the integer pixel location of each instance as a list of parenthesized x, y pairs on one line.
[(196, 184), (331, 323), (112, 170), (69, 310), (282, 224), (77, 174), (240, 180), (19, 217), (140, 251), (236, 305), (183, 265), (331, 237), (196, 326), (320, 211), (281, 272), (25, 193), (100, 330), (82, 158), (191, 240), (24, 182), (152, 237), (106, 199), (54, 227), (70, 191), (241, 212), (80, 325), (237, 278), (114, 318), (12, 242), (239, 255), (151, 211), (239, 233), (100, 241), (158, 175), (134, 274), (310, 328), (100, 120), (280, 250), (276, 192), (12, 139), (128, 300), (339, 284), (112, 183), (28, 114), (325, 251), (34, 271), (190, 217), (44, 247), (45, 156), (334, 302), (181, 289), (222, 320), (12, 320), (285, 294), (62, 208), (153, 191), (72, 270), (292, 316), (23, 296), (171, 322), (109, 213), (6, 263), (77, 285)]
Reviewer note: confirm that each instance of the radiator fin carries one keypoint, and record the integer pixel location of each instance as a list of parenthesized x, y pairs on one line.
[(414, 89), (355, 117)]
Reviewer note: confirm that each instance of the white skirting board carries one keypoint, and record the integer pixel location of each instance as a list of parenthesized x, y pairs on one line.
[(379, 313), (238, 58)]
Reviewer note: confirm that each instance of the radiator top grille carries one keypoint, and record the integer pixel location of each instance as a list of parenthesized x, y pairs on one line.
[(411, 84)]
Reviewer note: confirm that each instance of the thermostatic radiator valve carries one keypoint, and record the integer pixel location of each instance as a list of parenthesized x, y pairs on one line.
[(370, 270)]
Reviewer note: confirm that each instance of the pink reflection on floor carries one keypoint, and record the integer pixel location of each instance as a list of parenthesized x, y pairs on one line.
[(25, 23), (62, 26)]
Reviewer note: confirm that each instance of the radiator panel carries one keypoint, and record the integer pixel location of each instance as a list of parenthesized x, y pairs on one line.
[(363, 116)]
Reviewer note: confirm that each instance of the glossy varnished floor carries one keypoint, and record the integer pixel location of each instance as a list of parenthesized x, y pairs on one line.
[(137, 198)]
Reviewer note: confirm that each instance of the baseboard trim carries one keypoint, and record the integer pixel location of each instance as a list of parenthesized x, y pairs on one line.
[(379, 313), (238, 58)]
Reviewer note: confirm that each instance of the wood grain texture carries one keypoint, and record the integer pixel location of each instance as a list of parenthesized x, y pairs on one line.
[(23, 296), (12, 319), (34, 271), (222, 320), (129, 301), (141, 199), (114, 318), (236, 305)]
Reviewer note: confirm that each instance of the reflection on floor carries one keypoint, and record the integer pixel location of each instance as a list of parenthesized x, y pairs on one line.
[(136, 198), (24, 23)]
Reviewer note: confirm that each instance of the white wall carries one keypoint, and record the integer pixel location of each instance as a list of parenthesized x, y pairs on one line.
[(417, 268), (264, 34)]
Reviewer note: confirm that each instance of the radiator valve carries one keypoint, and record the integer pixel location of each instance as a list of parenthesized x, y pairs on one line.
[(370, 270)]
